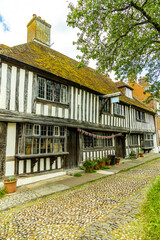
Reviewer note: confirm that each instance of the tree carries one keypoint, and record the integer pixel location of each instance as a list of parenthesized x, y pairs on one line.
[(123, 36)]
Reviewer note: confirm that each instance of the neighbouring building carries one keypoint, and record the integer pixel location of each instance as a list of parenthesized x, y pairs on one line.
[(138, 91), (54, 115)]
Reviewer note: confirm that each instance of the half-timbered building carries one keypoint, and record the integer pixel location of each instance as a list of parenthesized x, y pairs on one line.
[(54, 115)]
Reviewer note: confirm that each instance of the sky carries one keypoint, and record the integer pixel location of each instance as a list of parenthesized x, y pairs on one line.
[(16, 14)]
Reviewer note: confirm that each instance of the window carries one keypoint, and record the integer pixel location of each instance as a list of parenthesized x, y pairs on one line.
[(36, 129), (41, 139), (147, 141), (118, 109), (140, 116), (133, 140), (105, 106), (128, 92), (90, 142), (52, 91)]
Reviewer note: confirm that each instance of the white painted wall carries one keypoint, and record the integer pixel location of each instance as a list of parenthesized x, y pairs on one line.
[(10, 148)]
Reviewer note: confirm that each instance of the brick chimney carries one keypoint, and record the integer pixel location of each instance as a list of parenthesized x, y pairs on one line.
[(38, 30)]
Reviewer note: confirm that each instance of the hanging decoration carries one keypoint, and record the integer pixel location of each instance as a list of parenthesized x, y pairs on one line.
[(98, 136)]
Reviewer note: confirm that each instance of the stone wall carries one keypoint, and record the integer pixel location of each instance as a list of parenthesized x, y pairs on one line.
[(3, 134)]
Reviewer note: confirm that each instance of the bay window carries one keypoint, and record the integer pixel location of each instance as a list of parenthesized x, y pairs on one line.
[(41, 139)]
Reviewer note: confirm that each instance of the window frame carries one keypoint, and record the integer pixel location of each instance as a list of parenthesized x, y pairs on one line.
[(61, 97), (119, 109), (106, 106), (33, 144), (140, 116), (96, 142)]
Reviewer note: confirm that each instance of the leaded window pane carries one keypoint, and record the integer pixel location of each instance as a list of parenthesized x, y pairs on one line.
[(56, 145), (43, 130), (62, 131), (28, 129), (49, 91), (41, 90), (36, 129), (43, 145), (35, 145), (57, 92), (63, 94), (56, 131), (50, 130), (50, 145), (28, 145), (62, 145)]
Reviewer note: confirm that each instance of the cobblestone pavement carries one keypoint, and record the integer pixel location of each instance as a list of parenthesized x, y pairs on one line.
[(91, 211)]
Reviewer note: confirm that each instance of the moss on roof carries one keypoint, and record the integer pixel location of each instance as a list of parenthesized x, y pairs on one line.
[(47, 59), (121, 84)]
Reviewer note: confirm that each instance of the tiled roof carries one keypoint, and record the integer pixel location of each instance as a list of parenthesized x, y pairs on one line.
[(47, 59), (121, 84), (138, 91)]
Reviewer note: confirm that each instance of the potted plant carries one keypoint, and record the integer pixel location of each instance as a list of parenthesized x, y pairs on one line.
[(117, 160), (133, 154), (101, 162), (138, 153), (141, 152), (108, 161), (10, 184), (89, 165)]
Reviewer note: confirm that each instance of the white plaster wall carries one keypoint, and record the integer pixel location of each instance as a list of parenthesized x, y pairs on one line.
[(10, 148)]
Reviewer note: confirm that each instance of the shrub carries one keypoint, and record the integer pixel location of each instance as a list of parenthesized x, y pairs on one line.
[(89, 164), (2, 192), (77, 175)]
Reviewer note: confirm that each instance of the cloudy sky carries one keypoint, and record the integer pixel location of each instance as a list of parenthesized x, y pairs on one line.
[(15, 14)]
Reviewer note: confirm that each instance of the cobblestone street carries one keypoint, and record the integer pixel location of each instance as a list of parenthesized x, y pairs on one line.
[(91, 211)]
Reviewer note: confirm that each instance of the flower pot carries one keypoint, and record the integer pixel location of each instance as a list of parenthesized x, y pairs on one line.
[(117, 160), (101, 164), (141, 154), (10, 186), (108, 163)]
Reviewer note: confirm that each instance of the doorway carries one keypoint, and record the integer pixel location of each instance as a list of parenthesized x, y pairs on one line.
[(72, 148), (120, 150)]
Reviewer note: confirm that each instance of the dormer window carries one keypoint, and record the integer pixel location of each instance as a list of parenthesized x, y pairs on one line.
[(128, 92)]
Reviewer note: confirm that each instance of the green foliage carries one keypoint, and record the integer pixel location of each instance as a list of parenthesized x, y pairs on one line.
[(132, 153), (151, 212), (10, 179), (105, 167), (77, 175), (2, 192), (123, 36), (87, 164)]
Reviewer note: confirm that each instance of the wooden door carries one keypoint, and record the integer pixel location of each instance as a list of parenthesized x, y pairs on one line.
[(72, 148), (120, 146)]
